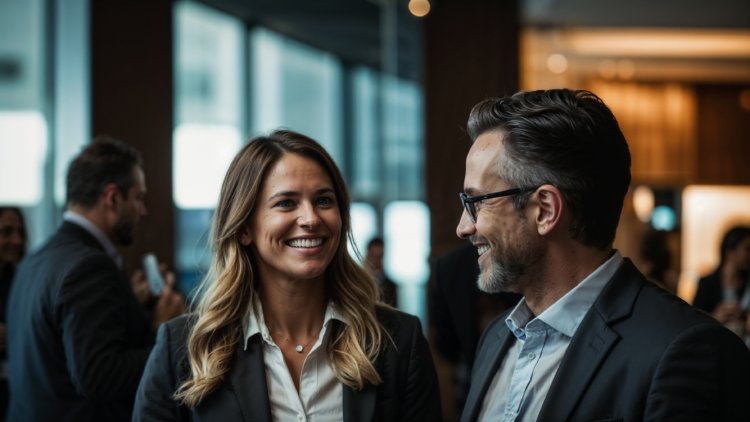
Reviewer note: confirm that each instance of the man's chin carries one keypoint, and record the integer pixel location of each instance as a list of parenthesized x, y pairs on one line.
[(490, 282)]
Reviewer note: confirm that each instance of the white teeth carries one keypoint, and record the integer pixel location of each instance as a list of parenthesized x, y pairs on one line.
[(305, 243), (482, 249)]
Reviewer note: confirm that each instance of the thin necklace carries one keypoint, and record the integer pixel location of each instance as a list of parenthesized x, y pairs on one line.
[(299, 348)]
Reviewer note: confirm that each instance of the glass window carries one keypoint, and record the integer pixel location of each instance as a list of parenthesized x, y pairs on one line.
[(23, 143), (364, 226), (209, 111), (404, 158), (407, 239), (366, 151), (297, 87)]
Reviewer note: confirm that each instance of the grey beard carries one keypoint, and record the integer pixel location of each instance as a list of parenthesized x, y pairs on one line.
[(501, 279)]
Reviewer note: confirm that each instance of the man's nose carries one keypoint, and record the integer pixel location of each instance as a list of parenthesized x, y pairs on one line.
[(465, 227)]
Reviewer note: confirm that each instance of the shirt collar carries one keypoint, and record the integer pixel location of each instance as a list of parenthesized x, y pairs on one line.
[(92, 229), (566, 314), (255, 324)]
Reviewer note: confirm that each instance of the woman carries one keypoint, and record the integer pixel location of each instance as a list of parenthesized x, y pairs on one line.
[(724, 293), (288, 326), (12, 249)]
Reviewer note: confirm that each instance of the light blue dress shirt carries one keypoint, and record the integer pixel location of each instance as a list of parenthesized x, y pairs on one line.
[(521, 384)]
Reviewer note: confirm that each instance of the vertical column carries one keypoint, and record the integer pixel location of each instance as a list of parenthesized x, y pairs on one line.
[(131, 88), (471, 52)]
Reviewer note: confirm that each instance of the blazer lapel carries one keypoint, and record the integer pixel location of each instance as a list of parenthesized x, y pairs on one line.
[(591, 344), (245, 389), (359, 405), (248, 378), (486, 365)]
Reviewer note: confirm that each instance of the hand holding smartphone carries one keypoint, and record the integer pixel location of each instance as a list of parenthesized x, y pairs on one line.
[(153, 276)]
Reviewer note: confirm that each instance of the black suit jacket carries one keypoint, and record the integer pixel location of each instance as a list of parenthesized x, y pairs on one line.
[(640, 353), (408, 392), (77, 337)]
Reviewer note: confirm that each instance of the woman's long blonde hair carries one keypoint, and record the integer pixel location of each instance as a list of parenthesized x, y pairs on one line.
[(226, 293)]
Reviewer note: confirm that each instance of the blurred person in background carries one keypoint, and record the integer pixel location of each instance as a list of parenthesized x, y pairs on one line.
[(724, 293), (656, 260), (13, 243), (374, 263), (78, 336), (459, 313)]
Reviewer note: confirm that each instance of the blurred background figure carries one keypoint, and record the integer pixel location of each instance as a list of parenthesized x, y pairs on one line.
[(374, 263), (78, 337), (724, 293), (12, 249), (656, 260), (459, 313)]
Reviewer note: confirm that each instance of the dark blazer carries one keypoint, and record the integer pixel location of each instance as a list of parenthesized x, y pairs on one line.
[(409, 390), (77, 337), (640, 353)]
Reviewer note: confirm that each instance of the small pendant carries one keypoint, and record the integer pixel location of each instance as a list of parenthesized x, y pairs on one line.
[(299, 348)]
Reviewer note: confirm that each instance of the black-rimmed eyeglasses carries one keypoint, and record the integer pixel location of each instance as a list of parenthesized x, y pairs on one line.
[(469, 202)]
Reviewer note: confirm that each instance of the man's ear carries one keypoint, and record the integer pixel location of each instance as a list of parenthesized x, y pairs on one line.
[(551, 205), (111, 195), (246, 237)]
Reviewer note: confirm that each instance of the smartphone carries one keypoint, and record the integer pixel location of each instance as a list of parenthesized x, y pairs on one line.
[(155, 280)]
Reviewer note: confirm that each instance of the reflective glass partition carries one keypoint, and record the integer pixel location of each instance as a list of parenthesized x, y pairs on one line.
[(236, 80), (209, 125), (297, 87), (44, 112)]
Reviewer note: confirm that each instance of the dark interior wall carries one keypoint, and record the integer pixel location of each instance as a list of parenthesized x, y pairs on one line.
[(723, 143), (131, 88), (471, 53)]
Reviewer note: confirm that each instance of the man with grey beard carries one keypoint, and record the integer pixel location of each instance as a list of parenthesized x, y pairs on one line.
[(592, 339), (78, 338)]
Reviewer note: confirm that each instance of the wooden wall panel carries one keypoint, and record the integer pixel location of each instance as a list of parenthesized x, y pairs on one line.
[(131, 85), (471, 53), (723, 136)]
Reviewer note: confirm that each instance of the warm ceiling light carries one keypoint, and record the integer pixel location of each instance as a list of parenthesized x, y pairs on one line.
[(557, 63), (419, 8), (662, 43)]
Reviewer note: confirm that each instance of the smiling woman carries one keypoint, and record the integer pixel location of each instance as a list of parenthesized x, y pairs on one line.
[(285, 311)]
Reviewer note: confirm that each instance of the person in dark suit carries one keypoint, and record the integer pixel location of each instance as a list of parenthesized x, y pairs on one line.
[(592, 339), (460, 312), (288, 326), (374, 263), (78, 338)]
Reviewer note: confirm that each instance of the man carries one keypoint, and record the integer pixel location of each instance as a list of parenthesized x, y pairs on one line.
[(374, 263), (78, 338), (592, 339)]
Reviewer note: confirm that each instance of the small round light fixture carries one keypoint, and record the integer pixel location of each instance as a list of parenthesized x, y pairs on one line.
[(557, 63), (419, 8), (643, 203)]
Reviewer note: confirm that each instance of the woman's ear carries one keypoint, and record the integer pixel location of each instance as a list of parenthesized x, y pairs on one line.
[(551, 206), (246, 237)]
